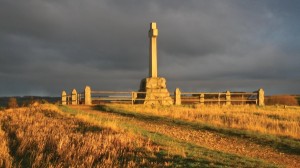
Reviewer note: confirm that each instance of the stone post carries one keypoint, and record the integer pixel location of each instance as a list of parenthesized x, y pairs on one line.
[(261, 97), (87, 96), (74, 97), (228, 98), (63, 98), (202, 99), (134, 95), (177, 95)]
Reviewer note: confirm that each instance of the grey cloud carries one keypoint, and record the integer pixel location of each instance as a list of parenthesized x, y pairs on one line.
[(203, 45)]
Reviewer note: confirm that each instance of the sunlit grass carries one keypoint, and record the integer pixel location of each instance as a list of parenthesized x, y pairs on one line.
[(281, 143), (60, 136), (269, 120), (180, 152), (44, 137), (5, 158)]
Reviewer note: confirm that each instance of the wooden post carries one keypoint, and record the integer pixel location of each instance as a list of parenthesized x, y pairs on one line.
[(74, 97), (63, 98), (261, 97), (228, 98), (202, 99), (177, 95)]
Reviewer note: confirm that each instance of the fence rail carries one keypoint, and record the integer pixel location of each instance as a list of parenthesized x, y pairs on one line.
[(218, 97), (96, 97)]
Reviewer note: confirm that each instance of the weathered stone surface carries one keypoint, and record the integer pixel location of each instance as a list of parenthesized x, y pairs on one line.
[(153, 33), (63, 98), (155, 88), (177, 95), (87, 96), (74, 97), (156, 92), (261, 97), (228, 98)]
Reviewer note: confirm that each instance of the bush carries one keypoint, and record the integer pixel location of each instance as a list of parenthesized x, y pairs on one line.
[(298, 98), (12, 103), (281, 100)]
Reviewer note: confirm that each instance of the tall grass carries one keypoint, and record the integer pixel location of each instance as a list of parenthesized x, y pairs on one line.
[(47, 136), (44, 138), (269, 120), (181, 153), (5, 158)]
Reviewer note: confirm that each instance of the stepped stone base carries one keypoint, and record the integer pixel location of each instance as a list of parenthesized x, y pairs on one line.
[(156, 92)]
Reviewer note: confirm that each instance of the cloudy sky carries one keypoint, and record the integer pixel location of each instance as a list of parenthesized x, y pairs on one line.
[(47, 46)]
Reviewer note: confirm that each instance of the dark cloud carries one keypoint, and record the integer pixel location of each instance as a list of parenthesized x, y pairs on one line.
[(208, 45)]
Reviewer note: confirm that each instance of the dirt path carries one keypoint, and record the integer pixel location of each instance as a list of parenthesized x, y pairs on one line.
[(213, 141)]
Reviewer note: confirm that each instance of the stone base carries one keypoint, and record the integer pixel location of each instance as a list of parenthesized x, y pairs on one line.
[(156, 92)]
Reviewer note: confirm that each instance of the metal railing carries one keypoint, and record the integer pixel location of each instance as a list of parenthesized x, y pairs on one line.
[(219, 97), (120, 97)]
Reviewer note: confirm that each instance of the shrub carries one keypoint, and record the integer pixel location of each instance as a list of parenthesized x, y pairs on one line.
[(298, 98), (12, 103), (281, 100)]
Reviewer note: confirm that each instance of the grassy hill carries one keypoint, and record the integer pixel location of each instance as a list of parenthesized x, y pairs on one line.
[(117, 135)]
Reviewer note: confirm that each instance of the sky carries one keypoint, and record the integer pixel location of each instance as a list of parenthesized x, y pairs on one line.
[(47, 46)]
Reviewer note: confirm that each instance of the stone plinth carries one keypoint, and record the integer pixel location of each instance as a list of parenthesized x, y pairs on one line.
[(156, 92)]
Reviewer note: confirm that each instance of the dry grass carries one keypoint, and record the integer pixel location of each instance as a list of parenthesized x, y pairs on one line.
[(270, 120), (48, 136), (5, 158), (43, 137)]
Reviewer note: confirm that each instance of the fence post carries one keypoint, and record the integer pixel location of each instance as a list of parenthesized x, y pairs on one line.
[(133, 97), (228, 98), (219, 99), (177, 94), (63, 98), (202, 99), (74, 97), (261, 97), (87, 96)]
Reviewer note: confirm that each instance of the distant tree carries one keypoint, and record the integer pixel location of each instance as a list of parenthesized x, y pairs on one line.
[(12, 103)]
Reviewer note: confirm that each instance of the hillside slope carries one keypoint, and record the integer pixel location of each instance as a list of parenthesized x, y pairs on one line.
[(133, 136)]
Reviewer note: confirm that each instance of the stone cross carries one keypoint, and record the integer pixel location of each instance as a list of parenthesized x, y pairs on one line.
[(153, 33)]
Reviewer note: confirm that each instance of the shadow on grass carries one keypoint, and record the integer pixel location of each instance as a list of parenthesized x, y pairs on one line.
[(190, 155), (283, 144), (84, 128), (179, 161)]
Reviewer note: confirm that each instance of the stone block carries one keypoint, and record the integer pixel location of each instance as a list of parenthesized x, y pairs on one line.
[(74, 97), (156, 92), (177, 95), (87, 96), (261, 97), (63, 98)]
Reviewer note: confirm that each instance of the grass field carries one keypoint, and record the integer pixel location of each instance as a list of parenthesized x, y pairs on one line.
[(117, 135)]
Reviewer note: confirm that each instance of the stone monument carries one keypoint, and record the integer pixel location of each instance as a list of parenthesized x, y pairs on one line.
[(155, 88)]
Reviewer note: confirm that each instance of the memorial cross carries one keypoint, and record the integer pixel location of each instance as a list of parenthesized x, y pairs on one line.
[(153, 33)]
